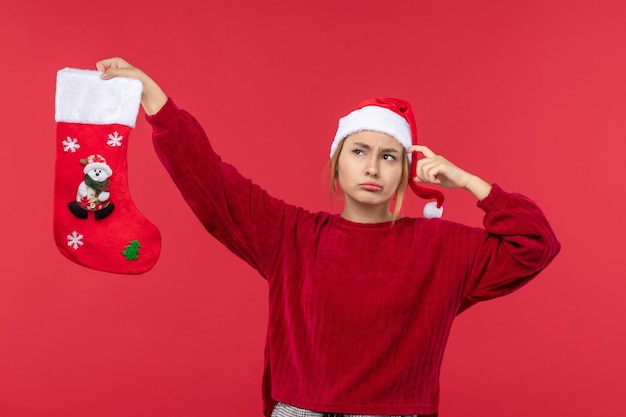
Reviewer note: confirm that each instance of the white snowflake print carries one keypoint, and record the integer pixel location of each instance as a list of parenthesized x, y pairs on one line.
[(115, 139), (70, 145), (75, 240)]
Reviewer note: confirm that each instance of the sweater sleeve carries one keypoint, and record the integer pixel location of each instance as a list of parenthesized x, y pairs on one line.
[(235, 211), (519, 244)]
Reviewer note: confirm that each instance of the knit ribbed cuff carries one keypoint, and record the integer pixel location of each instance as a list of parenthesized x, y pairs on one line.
[(495, 200), (165, 117)]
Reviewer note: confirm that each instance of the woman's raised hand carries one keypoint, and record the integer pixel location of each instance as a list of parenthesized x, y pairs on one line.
[(152, 98), (435, 169), (118, 67)]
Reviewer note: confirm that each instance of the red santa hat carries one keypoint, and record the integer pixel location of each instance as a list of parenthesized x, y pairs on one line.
[(394, 117)]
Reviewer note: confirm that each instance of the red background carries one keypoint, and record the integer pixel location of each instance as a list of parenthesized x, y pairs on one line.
[(529, 94)]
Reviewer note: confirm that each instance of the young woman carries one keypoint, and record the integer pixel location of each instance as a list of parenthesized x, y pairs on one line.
[(361, 303)]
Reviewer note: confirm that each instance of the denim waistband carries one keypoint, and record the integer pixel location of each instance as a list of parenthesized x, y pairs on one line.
[(286, 410)]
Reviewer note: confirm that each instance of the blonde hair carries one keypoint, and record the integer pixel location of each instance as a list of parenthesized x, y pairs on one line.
[(335, 189)]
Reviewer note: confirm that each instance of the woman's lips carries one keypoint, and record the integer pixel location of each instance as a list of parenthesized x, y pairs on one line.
[(371, 186)]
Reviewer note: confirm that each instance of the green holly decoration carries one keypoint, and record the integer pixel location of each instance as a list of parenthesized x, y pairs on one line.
[(132, 251)]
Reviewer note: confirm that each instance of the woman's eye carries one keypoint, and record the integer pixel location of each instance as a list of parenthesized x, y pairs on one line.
[(358, 152), (389, 157)]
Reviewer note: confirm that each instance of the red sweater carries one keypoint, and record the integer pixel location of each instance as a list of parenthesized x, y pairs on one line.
[(359, 314)]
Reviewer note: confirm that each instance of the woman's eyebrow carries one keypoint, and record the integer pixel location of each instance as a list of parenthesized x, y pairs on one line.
[(389, 150), (385, 150)]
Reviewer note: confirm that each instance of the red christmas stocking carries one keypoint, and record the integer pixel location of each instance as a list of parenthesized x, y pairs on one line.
[(96, 223)]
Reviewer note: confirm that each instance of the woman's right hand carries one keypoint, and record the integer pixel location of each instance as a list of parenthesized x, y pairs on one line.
[(152, 98)]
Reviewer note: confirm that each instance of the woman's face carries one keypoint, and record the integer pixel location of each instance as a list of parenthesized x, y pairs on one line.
[(369, 169)]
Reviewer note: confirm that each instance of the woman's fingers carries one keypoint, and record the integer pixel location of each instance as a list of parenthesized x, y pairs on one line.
[(424, 150), (438, 170), (429, 168), (424, 172), (116, 67)]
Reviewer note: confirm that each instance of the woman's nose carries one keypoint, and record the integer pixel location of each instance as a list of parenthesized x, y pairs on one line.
[(372, 167)]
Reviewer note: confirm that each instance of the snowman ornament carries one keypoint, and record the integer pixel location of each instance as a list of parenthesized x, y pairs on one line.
[(93, 192)]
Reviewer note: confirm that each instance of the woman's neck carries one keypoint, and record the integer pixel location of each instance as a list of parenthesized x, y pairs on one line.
[(361, 213)]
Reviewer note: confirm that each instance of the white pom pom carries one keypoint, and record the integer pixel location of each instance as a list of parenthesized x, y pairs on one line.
[(431, 211)]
